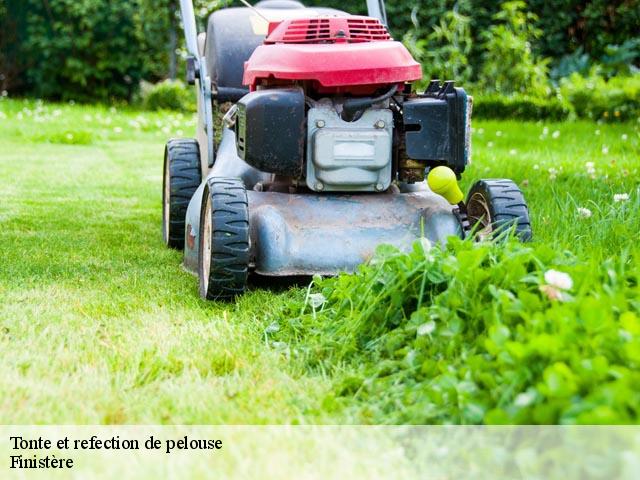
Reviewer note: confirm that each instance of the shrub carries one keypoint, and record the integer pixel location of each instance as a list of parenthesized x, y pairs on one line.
[(168, 95), (81, 50), (509, 65), (521, 107), (475, 333), (444, 53), (618, 60), (596, 98)]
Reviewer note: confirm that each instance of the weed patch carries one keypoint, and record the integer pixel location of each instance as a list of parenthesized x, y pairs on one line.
[(475, 333)]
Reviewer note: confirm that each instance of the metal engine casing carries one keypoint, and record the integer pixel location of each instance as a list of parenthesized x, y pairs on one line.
[(348, 156)]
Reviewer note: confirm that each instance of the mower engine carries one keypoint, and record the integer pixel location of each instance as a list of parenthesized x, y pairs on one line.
[(331, 107)]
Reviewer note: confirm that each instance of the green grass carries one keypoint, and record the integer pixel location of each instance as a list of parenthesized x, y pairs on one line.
[(99, 323)]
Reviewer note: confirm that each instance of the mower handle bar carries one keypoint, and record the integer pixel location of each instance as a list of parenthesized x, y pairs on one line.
[(190, 29)]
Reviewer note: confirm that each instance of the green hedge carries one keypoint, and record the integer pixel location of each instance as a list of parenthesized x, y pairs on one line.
[(617, 99), (83, 50), (592, 97), (168, 95), (520, 107)]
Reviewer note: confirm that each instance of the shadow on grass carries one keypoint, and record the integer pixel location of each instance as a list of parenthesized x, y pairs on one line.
[(278, 284)]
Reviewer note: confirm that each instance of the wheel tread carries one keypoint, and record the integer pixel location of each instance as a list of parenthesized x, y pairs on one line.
[(183, 155), (230, 239), (507, 206)]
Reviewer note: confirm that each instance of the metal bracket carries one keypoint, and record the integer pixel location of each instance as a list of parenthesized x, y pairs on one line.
[(207, 106)]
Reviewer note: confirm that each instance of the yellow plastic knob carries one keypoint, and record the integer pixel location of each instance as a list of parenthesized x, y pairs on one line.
[(442, 180)]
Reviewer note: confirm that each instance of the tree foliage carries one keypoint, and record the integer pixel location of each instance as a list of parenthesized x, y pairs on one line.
[(78, 48), (509, 65), (101, 49)]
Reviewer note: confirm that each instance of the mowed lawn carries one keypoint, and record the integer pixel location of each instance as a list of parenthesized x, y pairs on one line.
[(100, 324)]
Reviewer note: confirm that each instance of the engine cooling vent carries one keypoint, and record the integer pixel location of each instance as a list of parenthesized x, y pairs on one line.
[(367, 30), (307, 31), (353, 29)]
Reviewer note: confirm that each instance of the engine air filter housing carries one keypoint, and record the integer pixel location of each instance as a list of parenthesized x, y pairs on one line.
[(270, 130)]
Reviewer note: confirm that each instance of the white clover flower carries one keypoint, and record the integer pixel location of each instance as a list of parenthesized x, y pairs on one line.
[(605, 150), (499, 133), (489, 144), (69, 136), (584, 212), (557, 279), (621, 197), (536, 166), (426, 244), (555, 134), (117, 129), (589, 165), (525, 399), (426, 328), (513, 151), (597, 132), (316, 300), (545, 131), (624, 137), (481, 131)]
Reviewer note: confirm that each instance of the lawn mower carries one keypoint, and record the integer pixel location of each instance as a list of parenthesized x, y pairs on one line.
[(323, 152)]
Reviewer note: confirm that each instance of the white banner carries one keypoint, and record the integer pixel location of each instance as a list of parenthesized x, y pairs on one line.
[(320, 452)]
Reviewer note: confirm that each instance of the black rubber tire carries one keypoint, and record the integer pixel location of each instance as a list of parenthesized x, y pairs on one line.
[(503, 202), (180, 179), (226, 208)]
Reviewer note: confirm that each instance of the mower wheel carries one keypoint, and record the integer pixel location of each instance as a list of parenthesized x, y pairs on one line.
[(223, 256), (494, 206), (180, 180)]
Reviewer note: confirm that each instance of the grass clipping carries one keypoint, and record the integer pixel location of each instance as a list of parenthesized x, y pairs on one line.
[(473, 333)]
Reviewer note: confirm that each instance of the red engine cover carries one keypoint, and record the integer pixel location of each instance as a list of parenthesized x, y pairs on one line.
[(350, 53)]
